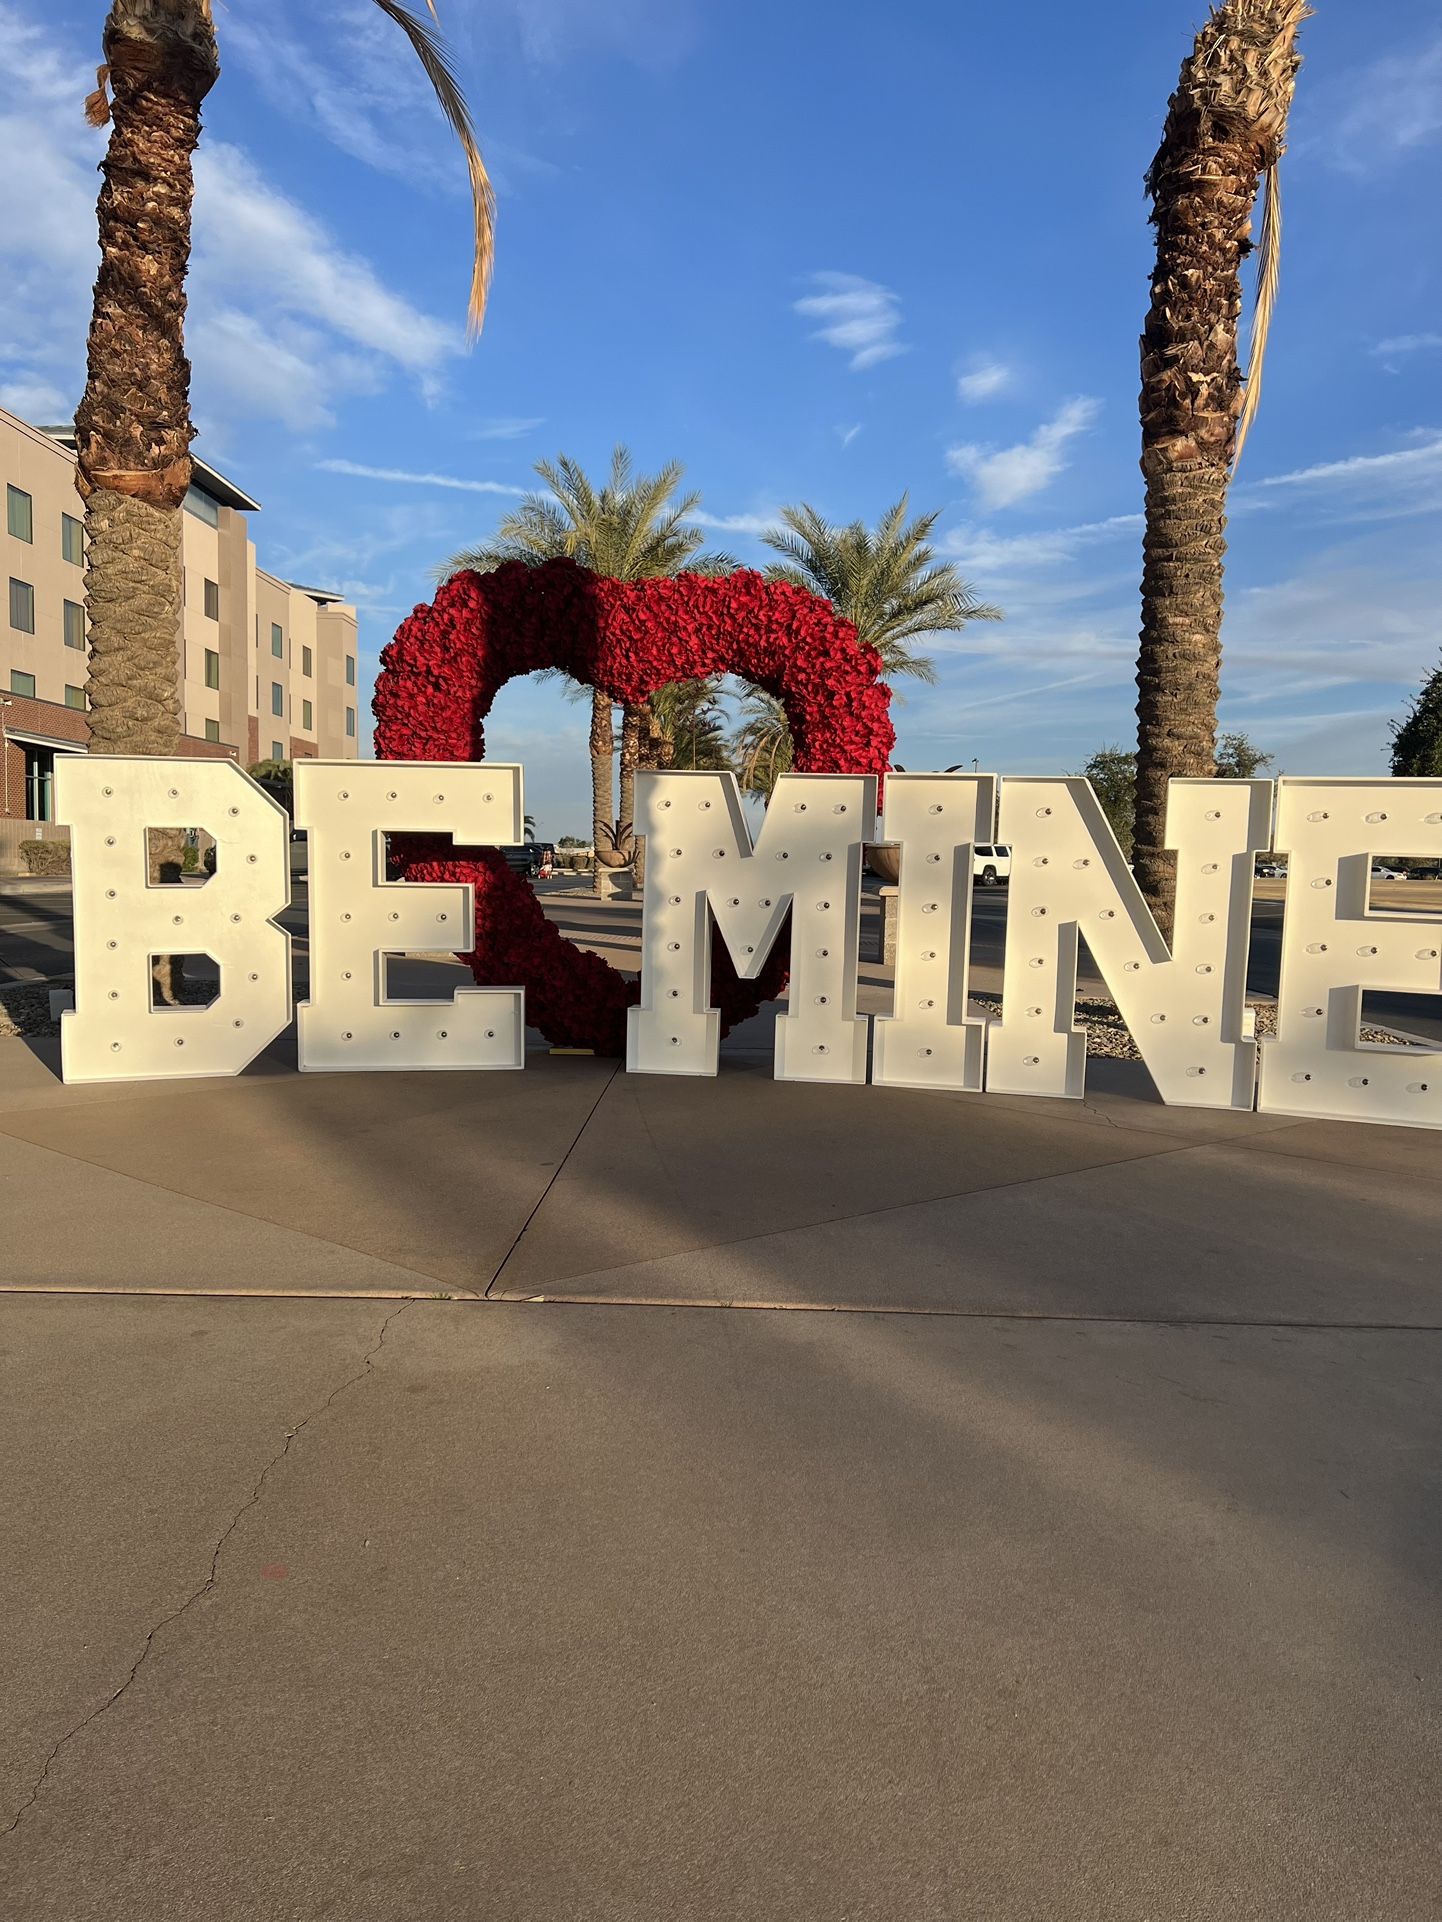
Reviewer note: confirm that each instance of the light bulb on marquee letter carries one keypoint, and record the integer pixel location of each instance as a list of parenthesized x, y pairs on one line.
[(700, 864), (1335, 948), (1186, 1009), (358, 918), (113, 1033), (928, 1042)]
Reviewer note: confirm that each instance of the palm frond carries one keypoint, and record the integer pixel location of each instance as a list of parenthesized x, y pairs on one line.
[(435, 59), (1269, 266)]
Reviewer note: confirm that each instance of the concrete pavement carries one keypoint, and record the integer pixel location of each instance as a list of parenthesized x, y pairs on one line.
[(1067, 1550)]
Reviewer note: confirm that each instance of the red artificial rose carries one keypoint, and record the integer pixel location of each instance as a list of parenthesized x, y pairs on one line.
[(447, 662)]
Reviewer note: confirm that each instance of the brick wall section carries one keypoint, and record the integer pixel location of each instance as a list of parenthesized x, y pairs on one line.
[(193, 750), (33, 717), (65, 724)]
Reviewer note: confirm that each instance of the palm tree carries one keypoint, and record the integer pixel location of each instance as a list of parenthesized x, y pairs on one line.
[(1225, 129), (762, 745), (690, 727), (133, 428), (632, 528), (888, 583)]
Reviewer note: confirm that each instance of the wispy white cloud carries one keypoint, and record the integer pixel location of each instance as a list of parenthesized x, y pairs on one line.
[(1425, 458), (507, 428), (982, 379), (346, 72), (737, 523), (848, 434), (283, 322), (1003, 476), (405, 478), (1369, 121), (1398, 344), (982, 551), (859, 317), (241, 220)]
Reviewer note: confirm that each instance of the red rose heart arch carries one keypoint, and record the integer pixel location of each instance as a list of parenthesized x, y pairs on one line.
[(448, 661)]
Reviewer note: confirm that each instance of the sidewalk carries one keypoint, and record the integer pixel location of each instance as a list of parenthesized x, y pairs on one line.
[(1070, 1555)]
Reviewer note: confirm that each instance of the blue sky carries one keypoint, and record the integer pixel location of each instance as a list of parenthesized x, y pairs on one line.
[(822, 253)]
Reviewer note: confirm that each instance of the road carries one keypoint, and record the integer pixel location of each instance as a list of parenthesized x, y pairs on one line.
[(36, 940)]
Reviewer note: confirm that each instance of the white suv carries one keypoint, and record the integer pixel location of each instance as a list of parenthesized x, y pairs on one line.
[(991, 865)]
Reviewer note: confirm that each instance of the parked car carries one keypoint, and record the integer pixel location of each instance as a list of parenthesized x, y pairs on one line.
[(1381, 871), (524, 859), (1272, 870), (991, 865)]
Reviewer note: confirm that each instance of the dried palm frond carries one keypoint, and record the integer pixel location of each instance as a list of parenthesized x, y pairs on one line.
[(1268, 272), (434, 57)]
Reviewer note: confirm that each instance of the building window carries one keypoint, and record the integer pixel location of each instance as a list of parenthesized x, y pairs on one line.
[(39, 775), (74, 624), (22, 683), (19, 514), (350, 670), (202, 506), (22, 606), (277, 750), (72, 540), (212, 730), (277, 641), (307, 662), (212, 668), (350, 722), (74, 696), (307, 717), (277, 698), (212, 600)]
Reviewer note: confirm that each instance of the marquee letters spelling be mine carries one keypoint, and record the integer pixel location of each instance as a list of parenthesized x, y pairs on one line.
[(708, 878)]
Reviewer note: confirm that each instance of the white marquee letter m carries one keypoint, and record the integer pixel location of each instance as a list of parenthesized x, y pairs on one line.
[(701, 867)]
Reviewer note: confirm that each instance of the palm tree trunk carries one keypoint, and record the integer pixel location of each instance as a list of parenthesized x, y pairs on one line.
[(1225, 126), (632, 725), (603, 750), (133, 428)]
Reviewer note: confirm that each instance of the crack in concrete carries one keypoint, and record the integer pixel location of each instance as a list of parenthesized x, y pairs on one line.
[(208, 1585)]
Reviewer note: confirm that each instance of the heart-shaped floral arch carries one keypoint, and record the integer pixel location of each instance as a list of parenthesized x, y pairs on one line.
[(448, 661)]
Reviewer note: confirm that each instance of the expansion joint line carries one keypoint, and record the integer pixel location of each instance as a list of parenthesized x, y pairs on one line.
[(555, 1177), (208, 1585)]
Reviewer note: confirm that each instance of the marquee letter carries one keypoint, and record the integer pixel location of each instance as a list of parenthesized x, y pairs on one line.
[(1334, 947), (113, 1033), (1186, 1009), (358, 918), (700, 863), (927, 1041)]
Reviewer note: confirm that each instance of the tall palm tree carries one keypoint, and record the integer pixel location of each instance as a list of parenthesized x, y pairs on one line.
[(133, 428), (631, 528), (888, 583), (1225, 130), (690, 727), (762, 744)]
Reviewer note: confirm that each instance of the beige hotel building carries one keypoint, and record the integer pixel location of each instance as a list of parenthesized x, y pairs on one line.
[(266, 667)]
